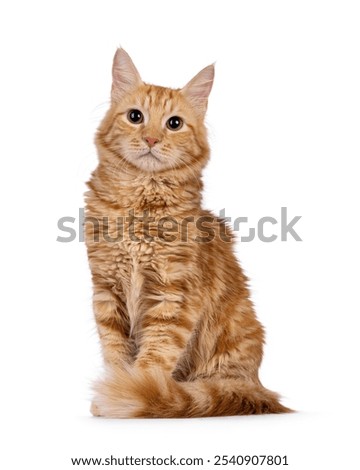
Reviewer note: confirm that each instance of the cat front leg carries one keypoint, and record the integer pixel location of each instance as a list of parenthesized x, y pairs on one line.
[(169, 313), (113, 327)]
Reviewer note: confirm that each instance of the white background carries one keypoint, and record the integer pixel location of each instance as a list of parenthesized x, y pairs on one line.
[(283, 120)]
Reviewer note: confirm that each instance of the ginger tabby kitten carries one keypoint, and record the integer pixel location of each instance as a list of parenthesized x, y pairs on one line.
[(178, 332)]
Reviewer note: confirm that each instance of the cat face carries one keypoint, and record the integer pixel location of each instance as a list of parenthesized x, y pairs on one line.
[(155, 128)]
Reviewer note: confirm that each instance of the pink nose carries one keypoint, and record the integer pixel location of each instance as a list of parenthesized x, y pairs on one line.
[(151, 141)]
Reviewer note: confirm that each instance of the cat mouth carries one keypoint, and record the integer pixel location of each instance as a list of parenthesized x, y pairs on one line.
[(149, 154)]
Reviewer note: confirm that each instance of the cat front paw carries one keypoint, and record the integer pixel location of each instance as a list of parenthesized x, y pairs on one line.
[(94, 409)]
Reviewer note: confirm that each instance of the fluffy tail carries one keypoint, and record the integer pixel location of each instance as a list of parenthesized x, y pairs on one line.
[(152, 394)]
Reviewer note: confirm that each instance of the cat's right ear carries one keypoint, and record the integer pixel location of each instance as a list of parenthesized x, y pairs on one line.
[(125, 76)]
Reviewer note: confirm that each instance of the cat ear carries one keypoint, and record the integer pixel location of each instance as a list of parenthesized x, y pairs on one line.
[(125, 75), (198, 89)]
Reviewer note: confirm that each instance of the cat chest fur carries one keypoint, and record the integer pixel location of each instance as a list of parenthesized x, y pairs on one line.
[(142, 250), (138, 252)]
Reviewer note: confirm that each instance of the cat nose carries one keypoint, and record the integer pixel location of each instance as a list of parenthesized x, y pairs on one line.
[(151, 141)]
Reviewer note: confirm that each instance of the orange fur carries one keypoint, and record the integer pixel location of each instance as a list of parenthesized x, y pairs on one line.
[(178, 331)]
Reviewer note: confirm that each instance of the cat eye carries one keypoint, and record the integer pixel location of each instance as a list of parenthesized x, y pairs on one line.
[(174, 123), (135, 116)]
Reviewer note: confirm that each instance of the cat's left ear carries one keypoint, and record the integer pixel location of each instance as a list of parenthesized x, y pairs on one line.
[(125, 75), (198, 89)]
